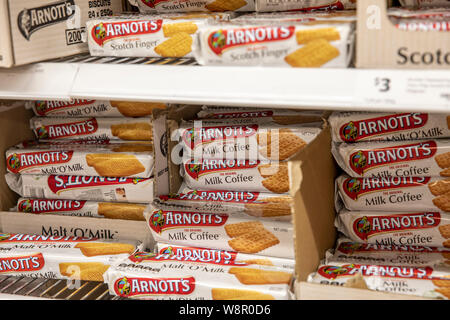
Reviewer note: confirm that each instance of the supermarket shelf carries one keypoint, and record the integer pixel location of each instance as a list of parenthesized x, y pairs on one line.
[(135, 80)]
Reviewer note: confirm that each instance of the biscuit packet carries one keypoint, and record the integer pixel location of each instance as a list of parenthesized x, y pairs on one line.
[(307, 6), (372, 126), (423, 281), (397, 194), (231, 232), (159, 36), (145, 275), (226, 257), (317, 44), (419, 158), (394, 255), (92, 108), (121, 129), (254, 204), (93, 188), (59, 257), (424, 3), (261, 139), (216, 6), (82, 208)]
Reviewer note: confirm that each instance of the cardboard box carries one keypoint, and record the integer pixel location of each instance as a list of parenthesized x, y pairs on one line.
[(36, 30), (379, 44)]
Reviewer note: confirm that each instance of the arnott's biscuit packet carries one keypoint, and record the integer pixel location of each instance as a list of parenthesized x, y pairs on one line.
[(134, 190), (107, 160), (430, 229), (283, 44), (333, 16), (93, 108), (235, 139), (128, 129), (226, 257), (82, 208), (231, 232), (420, 158), (167, 6), (255, 204), (424, 3), (56, 257), (146, 275), (302, 5), (397, 194), (394, 255), (423, 281), (370, 126)]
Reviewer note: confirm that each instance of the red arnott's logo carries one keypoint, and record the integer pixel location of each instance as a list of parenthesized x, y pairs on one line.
[(18, 264), (64, 130), (45, 107), (134, 287), (222, 40), (197, 169), (364, 160), (18, 162), (334, 272), (244, 114), (368, 226), (107, 31), (49, 205), (222, 196), (162, 220), (370, 128)]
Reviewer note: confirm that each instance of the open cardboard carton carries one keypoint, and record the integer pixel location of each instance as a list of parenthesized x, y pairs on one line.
[(379, 44), (15, 128), (312, 174)]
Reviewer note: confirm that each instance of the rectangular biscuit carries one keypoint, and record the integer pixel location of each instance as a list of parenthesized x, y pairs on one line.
[(261, 262), (253, 242), (123, 211), (175, 47), (440, 187), (251, 276), (441, 282), (137, 131), (279, 144), (137, 109), (91, 249), (445, 231), (237, 294), (87, 271), (225, 5), (237, 229), (305, 36), (114, 165), (314, 54), (445, 291), (171, 29)]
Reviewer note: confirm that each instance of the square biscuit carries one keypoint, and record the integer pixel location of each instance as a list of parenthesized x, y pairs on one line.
[(439, 187), (237, 229), (253, 242)]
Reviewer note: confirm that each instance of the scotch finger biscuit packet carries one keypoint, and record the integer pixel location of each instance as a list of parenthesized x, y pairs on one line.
[(306, 6), (393, 194), (418, 158), (368, 126), (295, 44), (93, 108), (125, 129), (430, 229), (167, 6), (107, 160), (93, 188), (59, 257), (254, 204), (231, 232), (226, 257), (423, 281), (145, 275), (240, 139), (82, 208), (393, 255), (169, 35)]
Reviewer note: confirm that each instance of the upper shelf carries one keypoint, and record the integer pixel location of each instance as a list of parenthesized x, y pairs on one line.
[(134, 80)]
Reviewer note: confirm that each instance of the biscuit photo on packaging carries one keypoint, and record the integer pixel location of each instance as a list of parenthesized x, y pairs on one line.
[(92, 249), (314, 54), (87, 271), (237, 229), (123, 211), (254, 241), (179, 45), (115, 165), (279, 144), (137, 109), (250, 276), (273, 207), (238, 294), (225, 5), (137, 131)]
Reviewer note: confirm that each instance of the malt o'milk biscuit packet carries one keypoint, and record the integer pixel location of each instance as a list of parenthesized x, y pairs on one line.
[(418, 158), (223, 256), (168, 6), (307, 6), (393, 255), (107, 160), (397, 194), (82, 208), (125, 129), (283, 44), (145, 275), (93, 108), (59, 257), (240, 139), (430, 229), (93, 188), (371, 126), (423, 281), (231, 232), (254, 204)]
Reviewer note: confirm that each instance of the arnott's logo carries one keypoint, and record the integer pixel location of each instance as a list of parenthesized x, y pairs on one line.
[(198, 169), (132, 287), (152, 3), (333, 272)]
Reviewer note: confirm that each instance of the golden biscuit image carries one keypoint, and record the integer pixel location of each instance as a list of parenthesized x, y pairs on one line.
[(92, 249), (123, 211), (444, 291), (305, 36), (175, 47), (251, 276), (278, 182), (237, 229), (115, 165), (279, 144), (446, 244), (237, 294), (137, 109), (138, 131), (225, 5), (443, 202), (261, 262), (254, 241), (272, 207), (445, 231), (87, 271), (446, 255), (314, 54), (125, 147), (441, 283), (439, 187), (173, 28), (443, 160)]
